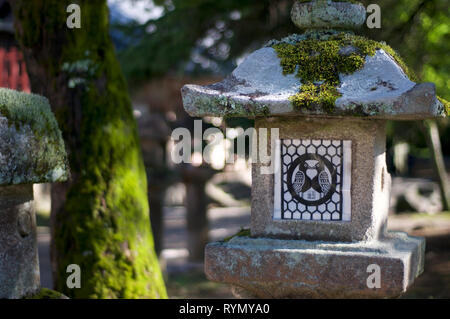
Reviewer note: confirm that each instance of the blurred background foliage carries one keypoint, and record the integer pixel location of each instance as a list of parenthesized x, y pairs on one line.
[(211, 37)]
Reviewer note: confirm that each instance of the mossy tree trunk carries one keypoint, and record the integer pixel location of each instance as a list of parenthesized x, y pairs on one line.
[(100, 218)]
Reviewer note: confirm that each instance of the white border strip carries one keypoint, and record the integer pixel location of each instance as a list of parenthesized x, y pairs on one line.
[(277, 182), (347, 182)]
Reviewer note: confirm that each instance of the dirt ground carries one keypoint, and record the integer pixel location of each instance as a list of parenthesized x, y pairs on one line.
[(435, 281)]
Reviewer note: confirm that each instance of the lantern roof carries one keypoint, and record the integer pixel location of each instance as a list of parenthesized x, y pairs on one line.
[(31, 145), (322, 72)]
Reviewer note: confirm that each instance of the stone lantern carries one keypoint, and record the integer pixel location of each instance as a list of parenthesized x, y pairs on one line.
[(31, 151), (318, 223)]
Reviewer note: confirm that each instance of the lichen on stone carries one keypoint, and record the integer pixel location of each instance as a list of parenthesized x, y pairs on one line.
[(307, 35), (230, 107), (318, 59)]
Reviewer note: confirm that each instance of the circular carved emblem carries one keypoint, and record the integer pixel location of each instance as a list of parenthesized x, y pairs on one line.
[(311, 179)]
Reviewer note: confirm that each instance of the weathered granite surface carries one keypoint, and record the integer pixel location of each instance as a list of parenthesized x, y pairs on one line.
[(326, 14), (19, 265), (257, 87), (270, 268), (31, 146), (370, 182)]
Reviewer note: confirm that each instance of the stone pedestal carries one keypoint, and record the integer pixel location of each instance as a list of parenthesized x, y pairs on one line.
[(271, 268), (320, 250), (19, 264)]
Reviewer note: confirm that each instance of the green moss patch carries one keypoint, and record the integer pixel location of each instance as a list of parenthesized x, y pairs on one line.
[(319, 60), (244, 232), (22, 108), (45, 159), (446, 105)]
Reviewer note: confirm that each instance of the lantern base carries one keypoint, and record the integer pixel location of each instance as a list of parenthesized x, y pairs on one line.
[(271, 268), (19, 264)]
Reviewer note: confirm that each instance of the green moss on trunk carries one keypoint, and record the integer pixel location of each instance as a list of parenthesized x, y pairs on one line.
[(102, 224)]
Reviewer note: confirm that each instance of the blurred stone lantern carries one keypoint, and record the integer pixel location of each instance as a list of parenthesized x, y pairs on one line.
[(31, 151), (318, 223)]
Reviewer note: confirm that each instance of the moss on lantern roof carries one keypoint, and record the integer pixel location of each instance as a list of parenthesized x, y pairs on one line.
[(321, 72), (318, 58)]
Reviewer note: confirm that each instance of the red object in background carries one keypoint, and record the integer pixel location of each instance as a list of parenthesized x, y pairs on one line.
[(13, 72)]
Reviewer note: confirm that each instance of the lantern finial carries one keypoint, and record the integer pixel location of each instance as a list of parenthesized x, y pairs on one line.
[(327, 14)]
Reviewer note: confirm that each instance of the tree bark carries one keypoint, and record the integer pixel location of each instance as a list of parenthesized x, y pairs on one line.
[(100, 217)]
